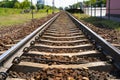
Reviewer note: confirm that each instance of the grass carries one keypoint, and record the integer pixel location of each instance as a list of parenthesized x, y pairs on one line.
[(13, 16), (18, 18), (97, 21), (9, 11), (50, 11)]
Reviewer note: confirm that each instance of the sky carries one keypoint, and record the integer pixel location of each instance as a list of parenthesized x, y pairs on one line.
[(59, 3)]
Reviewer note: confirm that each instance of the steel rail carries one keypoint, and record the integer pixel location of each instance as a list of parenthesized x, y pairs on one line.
[(17, 50), (100, 43)]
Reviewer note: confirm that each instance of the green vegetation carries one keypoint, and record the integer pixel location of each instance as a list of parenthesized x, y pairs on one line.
[(10, 16), (95, 2), (18, 18), (15, 4), (26, 4), (9, 11), (87, 3), (98, 22), (14, 12)]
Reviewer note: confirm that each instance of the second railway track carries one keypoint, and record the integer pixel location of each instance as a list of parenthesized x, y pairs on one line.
[(61, 50)]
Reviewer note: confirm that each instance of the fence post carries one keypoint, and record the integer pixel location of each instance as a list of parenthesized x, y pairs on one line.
[(109, 10), (91, 9), (101, 11), (32, 9), (95, 10), (88, 9), (53, 6)]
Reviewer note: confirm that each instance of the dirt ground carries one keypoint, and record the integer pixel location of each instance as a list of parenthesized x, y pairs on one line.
[(111, 35), (9, 34)]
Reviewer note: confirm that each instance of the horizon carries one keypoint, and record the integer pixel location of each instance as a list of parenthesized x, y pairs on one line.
[(58, 3)]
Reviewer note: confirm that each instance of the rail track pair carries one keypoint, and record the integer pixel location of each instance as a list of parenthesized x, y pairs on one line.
[(61, 49)]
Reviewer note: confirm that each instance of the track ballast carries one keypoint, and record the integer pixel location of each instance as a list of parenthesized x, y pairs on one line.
[(62, 51)]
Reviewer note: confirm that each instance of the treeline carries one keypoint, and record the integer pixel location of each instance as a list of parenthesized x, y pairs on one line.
[(26, 4), (15, 4), (76, 5), (94, 3)]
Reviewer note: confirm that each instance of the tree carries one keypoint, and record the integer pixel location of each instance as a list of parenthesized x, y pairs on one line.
[(8, 3), (39, 6), (60, 8), (66, 8), (5, 0), (95, 2), (25, 4), (14, 0), (17, 5), (32, 7)]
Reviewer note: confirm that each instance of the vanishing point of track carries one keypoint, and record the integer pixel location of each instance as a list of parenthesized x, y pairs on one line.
[(61, 49)]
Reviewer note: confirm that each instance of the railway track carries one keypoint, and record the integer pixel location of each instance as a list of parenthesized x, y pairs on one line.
[(61, 49)]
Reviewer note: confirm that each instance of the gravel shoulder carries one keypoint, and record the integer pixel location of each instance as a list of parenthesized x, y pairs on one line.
[(111, 35), (9, 34)]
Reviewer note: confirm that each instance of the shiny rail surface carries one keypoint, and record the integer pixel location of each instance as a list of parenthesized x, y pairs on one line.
[(62, 48), (23, 43), (104, 46)]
